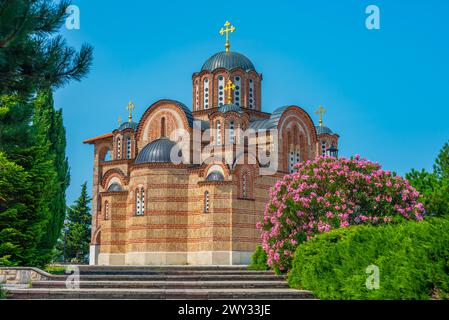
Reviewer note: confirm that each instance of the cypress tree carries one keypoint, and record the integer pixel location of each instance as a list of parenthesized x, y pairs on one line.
[(49, 131)]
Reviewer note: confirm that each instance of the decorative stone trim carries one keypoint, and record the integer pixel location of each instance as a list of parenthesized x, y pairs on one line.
[(111, 173), (215, 183)]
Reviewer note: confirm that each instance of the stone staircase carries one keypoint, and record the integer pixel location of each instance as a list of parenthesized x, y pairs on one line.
[(165, 282)]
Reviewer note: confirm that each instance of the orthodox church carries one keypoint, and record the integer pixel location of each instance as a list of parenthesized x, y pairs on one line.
[(150, 210)]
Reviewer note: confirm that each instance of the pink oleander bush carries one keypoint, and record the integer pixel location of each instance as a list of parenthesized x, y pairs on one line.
[(330, 193)]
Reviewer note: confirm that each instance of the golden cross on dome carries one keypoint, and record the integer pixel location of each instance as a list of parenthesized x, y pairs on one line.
[(230, 87), (229, 28), (120, 121), (130, 108), (321, 111)]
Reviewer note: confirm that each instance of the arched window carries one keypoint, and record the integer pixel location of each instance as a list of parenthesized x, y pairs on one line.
[(218, 135), (107, 156), (138, 203), (206, 97), (128, 148), (231, 132), (163, 130), (106, 210), (206, 201), (119, 148)]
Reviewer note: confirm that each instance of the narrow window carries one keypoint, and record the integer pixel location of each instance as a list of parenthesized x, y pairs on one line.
[(245, 185), (323, 148), (231, 132), (251, 94), (206, 201), (163, 132), (106, 210), (206, 93), (137, 202), (119, 148), (218, 132), (197, 95), (236, 95), (291, 161), (142, 210), (128, 148), (220, 90)]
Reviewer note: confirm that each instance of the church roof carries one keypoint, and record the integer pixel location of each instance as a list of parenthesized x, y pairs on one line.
[(126, 125), (262, 124), (230, 107), (323, 130), (228, 60), (156, 151)]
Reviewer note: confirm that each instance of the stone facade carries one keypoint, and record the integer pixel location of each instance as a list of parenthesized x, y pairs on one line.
[(150, 211)]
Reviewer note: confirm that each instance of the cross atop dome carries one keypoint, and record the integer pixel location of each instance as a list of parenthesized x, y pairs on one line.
[(229, 28)]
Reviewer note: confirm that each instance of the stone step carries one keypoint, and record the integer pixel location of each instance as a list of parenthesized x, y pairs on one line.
[(202, 294), (87, 268), (166, 284), (174, 272), (184, 277)]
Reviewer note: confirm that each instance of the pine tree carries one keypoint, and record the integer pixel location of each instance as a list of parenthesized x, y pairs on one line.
[(32, 55), (78, 227), (434, 186), (441, 167)]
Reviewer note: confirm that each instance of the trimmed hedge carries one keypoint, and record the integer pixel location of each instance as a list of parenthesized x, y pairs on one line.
[(259, 260), (413, 262)]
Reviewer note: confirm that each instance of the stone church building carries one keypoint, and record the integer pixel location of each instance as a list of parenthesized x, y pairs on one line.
[(149, 210)]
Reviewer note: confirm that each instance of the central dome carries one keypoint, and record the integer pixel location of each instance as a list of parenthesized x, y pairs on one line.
[(228, 60)]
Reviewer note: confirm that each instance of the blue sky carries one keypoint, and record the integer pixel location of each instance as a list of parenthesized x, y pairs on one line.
[(386, 91)]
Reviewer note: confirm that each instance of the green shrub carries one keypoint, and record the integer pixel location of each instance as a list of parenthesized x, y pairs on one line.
[(55, 269), (413, 262), (2, 293), (259, 260)]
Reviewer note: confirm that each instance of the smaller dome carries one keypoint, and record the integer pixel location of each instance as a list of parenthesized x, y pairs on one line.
[(115, 187), (230, 107), (215, 176), (127, 125), (323, 130), (156, 151)]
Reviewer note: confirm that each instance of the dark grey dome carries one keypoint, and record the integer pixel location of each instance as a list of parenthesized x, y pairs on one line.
[(215, 176), (126, 125), (156, 151), (228, 60), (230, 107), (323, 130), (115, 187)]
